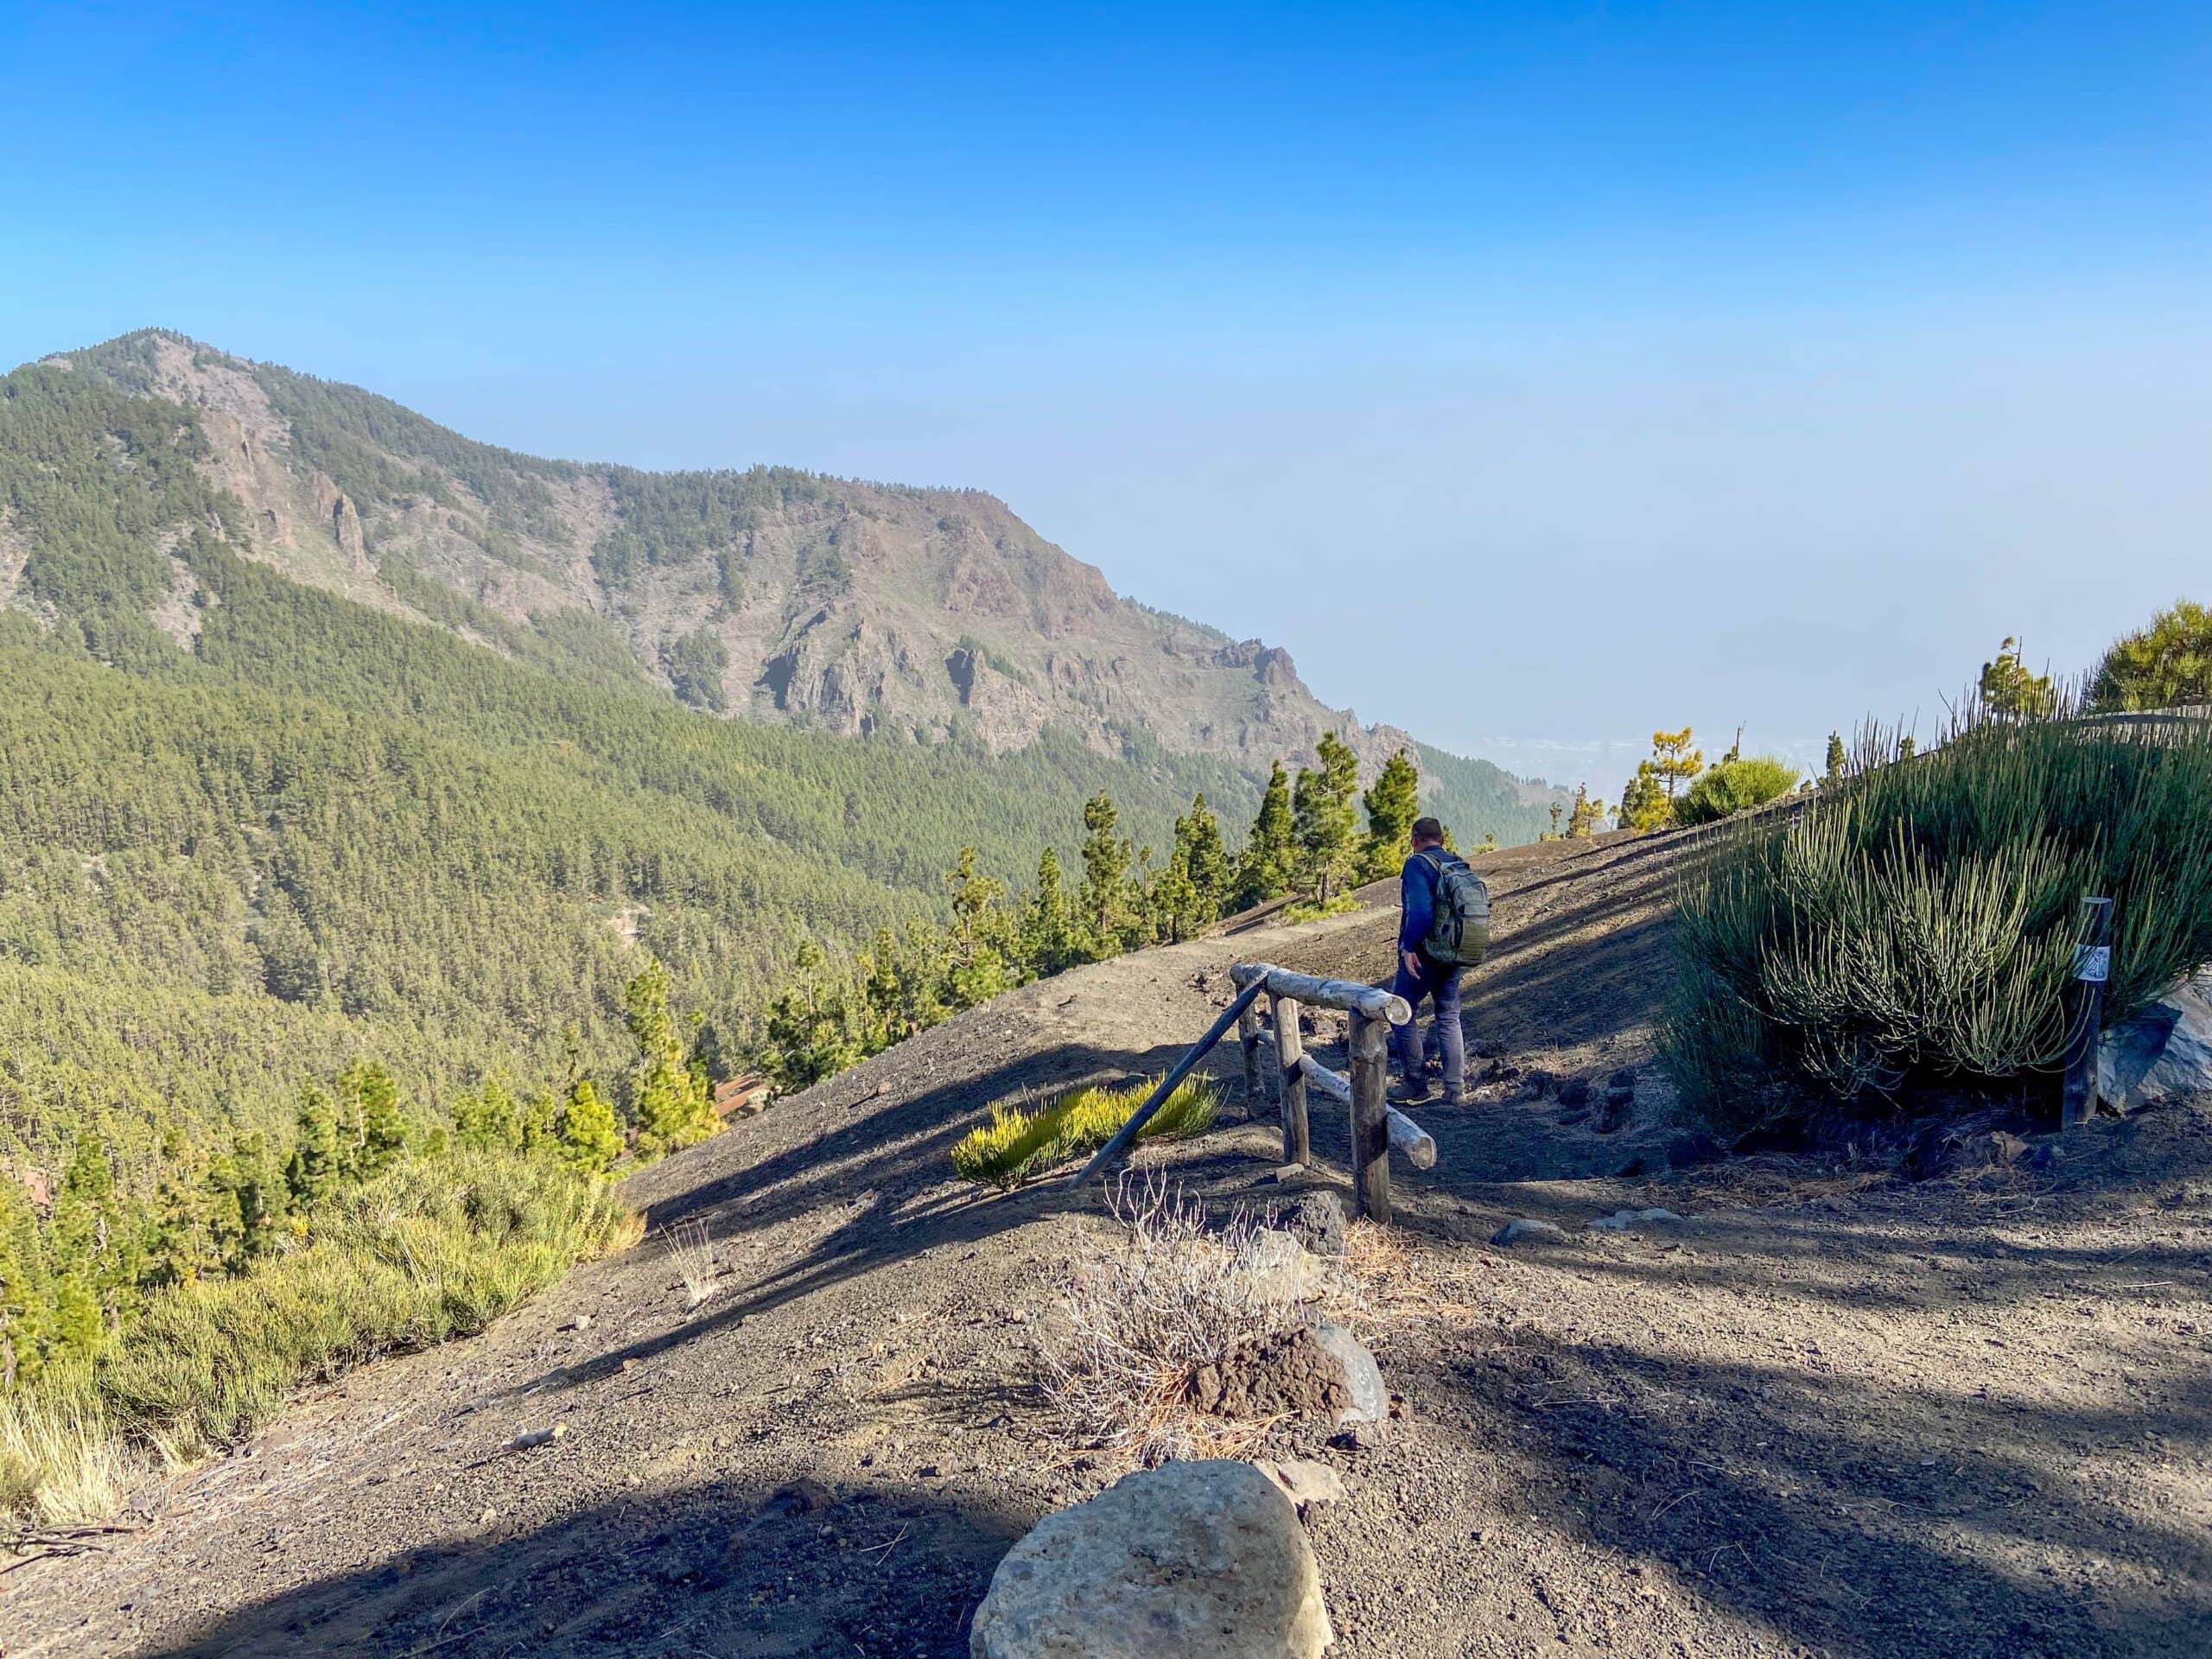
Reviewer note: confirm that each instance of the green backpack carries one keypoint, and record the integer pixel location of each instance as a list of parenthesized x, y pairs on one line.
[(1458, 926)]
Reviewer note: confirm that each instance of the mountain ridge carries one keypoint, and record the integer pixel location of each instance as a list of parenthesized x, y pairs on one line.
[(767, 593)]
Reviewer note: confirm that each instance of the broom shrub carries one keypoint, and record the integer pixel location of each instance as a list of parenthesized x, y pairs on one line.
[(1917, 921)]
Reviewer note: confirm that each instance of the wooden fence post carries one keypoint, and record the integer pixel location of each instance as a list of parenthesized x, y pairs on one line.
[(2086, 1007), (1290, 1083), (1248, 1038), (1370, 1110)]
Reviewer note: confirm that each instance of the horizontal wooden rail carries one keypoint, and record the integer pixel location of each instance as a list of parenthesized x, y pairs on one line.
[(1340, 993), (1409, 1138), (1406, 1135)]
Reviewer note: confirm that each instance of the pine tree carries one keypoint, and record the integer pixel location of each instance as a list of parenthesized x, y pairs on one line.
[(1176, 912), (1392, 802), (979, 969), (589, 1139), (1673, 761), (540, 1119), (1587, 814), (2008, 688), (489, 1119), (809, 1032), (668, 1100), (1271, 854), (1321, 811), (1198, 833), (1191, 892), (250, 1201), (78, 1327), (372, 1131), (1643, 800), (975, 896), (1837, 765), (1048, 943), (182, 1245), (1552, 834), (1110, 915), (26, 1298), (96, 1246), (880, 995), (312, 1172), (2166, 665)]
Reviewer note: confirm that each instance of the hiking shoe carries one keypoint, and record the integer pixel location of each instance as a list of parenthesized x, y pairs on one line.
[(1409, 1092)]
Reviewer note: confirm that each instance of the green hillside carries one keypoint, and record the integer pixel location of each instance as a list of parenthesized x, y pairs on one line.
[(251, 831)]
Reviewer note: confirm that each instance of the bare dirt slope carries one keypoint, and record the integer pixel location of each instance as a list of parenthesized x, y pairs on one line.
[(1831, 1412)]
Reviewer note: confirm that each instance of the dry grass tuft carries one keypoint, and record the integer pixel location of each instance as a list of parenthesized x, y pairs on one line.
[(59, 1466), (690, 1246), (1388, 1282), (1179, 1295)]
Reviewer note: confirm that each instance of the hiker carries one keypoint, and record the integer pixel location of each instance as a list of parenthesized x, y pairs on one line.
[(1444, 930)]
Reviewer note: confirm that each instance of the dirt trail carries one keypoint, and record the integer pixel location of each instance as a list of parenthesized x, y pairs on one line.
[(1829, 1412)]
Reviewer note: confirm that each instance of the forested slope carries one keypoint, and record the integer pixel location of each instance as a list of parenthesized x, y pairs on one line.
[(767, 593), (252, 829)]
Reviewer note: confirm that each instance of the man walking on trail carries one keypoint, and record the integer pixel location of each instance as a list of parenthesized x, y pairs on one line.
[(1443, 929)]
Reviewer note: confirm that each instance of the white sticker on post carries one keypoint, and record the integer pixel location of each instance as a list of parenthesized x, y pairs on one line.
[(2092, 964)]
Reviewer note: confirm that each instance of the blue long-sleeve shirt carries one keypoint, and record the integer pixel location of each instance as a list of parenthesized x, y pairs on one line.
[(1417, 899)]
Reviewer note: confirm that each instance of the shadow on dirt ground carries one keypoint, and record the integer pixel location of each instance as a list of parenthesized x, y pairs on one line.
[(1795, 1501), (720, 1569), (878, 1184)]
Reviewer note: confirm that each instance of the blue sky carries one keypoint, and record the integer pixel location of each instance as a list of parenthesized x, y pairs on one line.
[(1585, 368)]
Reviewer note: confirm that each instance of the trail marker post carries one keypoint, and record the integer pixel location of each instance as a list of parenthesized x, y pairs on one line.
[(2092, 968)]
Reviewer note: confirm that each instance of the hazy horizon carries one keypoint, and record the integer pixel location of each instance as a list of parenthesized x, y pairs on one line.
[(1536, 378)]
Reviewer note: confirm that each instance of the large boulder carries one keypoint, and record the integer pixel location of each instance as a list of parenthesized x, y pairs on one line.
[(2166, 1050), (1200, 1560)]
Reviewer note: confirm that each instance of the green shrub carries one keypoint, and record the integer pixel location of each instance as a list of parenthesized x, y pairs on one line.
[(2166, 665), (1342, 905), (1016, 1144), (1919, 920), (1731, 786), (434, 1249)]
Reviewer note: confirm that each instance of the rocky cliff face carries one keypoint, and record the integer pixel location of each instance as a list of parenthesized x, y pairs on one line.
[(770, 593)]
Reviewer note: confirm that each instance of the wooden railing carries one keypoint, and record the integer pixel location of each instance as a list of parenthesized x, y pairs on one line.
[(1290, 1072), (1279, 1057)]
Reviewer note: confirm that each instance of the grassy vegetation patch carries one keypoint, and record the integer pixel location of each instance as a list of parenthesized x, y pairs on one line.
[(1018, 1143), (433, 1249)]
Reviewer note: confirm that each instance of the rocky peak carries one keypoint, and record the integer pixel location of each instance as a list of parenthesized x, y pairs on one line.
[(864, 607)]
